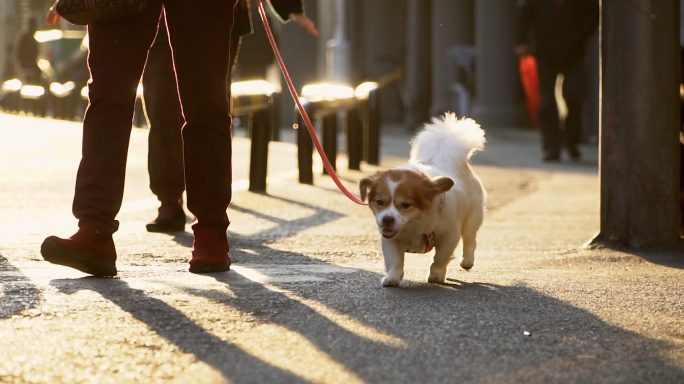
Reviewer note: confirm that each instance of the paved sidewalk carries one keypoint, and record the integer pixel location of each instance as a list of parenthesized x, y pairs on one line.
[(303, 303)]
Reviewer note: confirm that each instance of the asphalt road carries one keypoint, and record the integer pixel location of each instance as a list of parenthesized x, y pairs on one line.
[(303, 303)]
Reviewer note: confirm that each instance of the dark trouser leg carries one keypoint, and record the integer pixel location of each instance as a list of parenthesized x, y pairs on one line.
[(118, 50), (548, 110), (163, 110), (164, 116), (200, 36), (573, 93)]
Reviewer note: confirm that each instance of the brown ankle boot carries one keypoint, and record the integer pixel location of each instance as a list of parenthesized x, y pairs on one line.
[(87, 250), (210, 251)]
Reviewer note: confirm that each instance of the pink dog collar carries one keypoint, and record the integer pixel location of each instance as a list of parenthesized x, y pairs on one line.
[(430, 237), (429, 242)]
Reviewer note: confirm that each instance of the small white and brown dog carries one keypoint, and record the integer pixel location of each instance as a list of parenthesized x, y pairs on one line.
[(431, 202)]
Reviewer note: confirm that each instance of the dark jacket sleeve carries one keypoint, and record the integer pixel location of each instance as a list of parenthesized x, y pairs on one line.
[(283, 8), (525, 10)]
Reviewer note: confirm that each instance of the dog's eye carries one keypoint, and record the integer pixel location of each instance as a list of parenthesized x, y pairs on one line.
[(406, 205), (380, 202)]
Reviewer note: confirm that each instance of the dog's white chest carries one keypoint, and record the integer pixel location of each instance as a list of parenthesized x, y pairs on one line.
[(416, 245)]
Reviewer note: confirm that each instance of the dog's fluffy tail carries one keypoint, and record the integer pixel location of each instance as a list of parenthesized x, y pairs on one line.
[(448, 143)]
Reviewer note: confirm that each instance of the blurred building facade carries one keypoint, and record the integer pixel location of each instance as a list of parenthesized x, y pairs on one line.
[(375, 31), (455, 55)]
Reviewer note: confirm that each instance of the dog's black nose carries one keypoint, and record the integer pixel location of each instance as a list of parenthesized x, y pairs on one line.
[(388, 220)]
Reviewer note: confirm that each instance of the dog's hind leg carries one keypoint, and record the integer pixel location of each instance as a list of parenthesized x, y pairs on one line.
[(444, 253), (469, 233), (394, 264)]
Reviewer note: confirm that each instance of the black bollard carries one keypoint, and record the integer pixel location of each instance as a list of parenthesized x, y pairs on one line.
[(371, 135), (275, 116), (304, 146), (260, 133), (330, 140), (354, 138)]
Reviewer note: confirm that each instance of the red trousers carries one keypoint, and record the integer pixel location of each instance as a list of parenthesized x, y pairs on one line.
[(199, 32)]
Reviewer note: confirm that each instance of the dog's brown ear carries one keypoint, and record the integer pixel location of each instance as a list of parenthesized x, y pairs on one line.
[(438, 186), (443, 184), (364, 186)]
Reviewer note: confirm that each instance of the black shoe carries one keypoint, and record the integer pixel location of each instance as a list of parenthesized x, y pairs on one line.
[(551, 156), (203, 268), (171, 218), (574, 153)]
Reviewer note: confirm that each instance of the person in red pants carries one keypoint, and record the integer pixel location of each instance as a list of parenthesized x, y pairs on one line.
[(200, 35), (165, 153), (556, 31)]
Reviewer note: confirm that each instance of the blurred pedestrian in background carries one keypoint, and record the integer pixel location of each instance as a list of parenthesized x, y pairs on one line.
[(10, 70), (200, 34), (165, 153), (26, 54), (556, 31)]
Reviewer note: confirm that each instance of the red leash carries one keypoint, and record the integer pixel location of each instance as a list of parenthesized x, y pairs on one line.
[(293, 92)]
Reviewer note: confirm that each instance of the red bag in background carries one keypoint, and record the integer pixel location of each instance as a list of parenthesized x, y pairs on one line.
[(530, 82)]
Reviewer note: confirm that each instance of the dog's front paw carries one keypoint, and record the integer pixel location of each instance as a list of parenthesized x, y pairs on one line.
[(390, 281), (467, 262), (437, 276)]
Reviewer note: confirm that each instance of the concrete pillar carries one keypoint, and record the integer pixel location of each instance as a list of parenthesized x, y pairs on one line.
[(338, 49), (357, 36), (384, 50), (325, 22), (639, 122), (418, 63), (299, 50), (497, 79), (452, 24)]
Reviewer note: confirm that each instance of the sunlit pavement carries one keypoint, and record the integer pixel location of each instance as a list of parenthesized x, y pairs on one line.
[(303, 302)]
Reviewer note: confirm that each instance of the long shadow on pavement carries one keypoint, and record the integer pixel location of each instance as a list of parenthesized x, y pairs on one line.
[(672, 256), (283, 229), (665, 258), (461, 332), (466, 332), (171, 324), (17, 293), (287, 228), (455, 332)]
